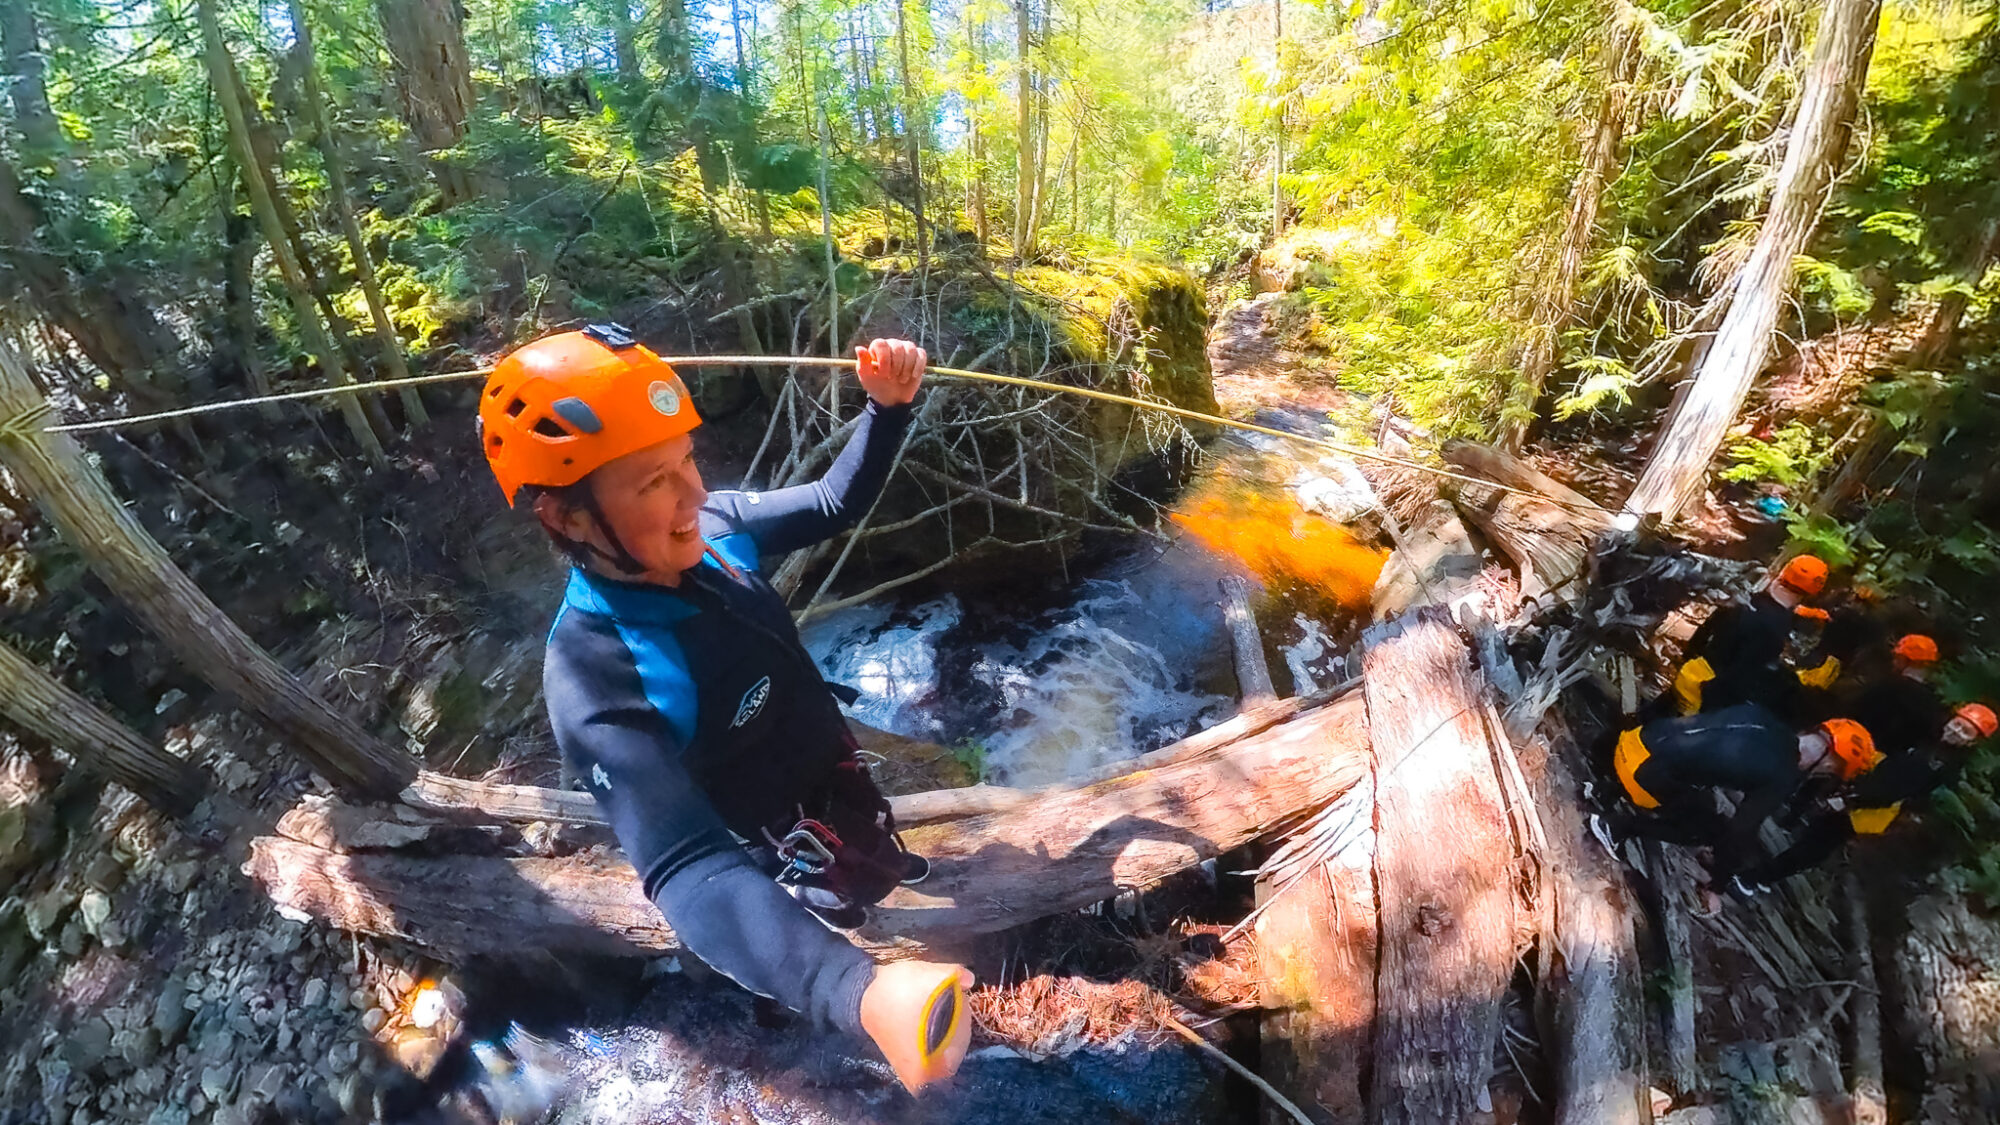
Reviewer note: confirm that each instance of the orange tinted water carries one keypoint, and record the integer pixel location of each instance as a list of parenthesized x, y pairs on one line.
[(1284, 545)]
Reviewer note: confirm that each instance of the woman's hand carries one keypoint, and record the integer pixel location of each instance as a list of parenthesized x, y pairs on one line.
[(891, 371)]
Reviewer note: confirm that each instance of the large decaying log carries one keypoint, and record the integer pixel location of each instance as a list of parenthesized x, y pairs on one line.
[(1599, 1052), (1058, 851), (1869, 1099), (1444, 874), (1434, 563), (1549, 543), (1316, 955)]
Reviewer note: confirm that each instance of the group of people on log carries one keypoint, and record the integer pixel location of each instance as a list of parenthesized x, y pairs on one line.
[(1819, 716)]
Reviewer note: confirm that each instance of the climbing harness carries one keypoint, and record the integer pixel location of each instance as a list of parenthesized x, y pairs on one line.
[(99, 424)]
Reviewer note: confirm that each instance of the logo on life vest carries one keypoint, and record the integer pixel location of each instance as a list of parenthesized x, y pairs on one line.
[(665, 397), (753, 702)]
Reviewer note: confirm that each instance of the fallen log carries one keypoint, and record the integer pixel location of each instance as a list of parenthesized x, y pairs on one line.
[(1868, 1098), (1592, 973), (1058, 851), (1253, 673), (524, 804), (1548, 542), (1444, 874), (1434, 563)]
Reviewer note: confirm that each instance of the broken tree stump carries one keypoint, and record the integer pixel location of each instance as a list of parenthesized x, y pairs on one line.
[(1059, 850), (1444, 874), (1549, 543)]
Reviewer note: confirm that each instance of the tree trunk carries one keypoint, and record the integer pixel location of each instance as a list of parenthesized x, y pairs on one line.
[(1678, 1007), (1678, 469), (1549, 544), (1870, 1104), (1591, 960), (1555, 303), (913, 137), (239, 294), (1444, 874), (1253, 673), (39, 704), (975, 142), (433, 75), (343, 205), (21, 61), (231, 97), (625, 41), (1026, 174), (1059, 851), (53, 469), (1278, 145)]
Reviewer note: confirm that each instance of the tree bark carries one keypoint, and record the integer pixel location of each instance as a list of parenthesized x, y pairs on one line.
[(1027, 175), (625, 41), (1870, 1100), (1253, 673), (1591, 969), (433, 76), (239, 294), (21, 61), (975, 142), (53, 469), (221, 74), (1061, 850), (1678, 1025), (1555, 303), (1678, 469), (1548, 543), (1444, 874), (343, 205), (38, 703), (1278, 140), (913, 138)]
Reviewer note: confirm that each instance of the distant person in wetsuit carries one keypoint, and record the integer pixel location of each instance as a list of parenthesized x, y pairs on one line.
[(1737, 655), (679, 691), (1672, 769), (1902, 709), (1903, 782)]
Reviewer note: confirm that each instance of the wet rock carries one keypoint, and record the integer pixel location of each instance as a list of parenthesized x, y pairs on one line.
[(216, 1082), (373, 1019), (285, 940), (73, 939), (417, 1051), (93, 909), (27, 832), (87, 1045), (361, 999), (46, 914), (314, 994), (148, 1081), (137, 1046), (267, 1082), (180, 876), (105, 873)]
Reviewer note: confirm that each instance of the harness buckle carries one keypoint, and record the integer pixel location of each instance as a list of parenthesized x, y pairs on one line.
[(806, 850)]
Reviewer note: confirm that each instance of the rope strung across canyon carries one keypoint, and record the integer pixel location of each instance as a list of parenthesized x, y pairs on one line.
[(100, 424)]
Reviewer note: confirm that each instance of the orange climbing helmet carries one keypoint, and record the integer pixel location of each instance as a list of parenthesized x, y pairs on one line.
[(1980, 716), (558, 408), (1804, 574), (1853, 745), (1917, 648)]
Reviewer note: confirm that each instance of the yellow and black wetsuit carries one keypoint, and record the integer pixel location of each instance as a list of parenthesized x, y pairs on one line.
[(1672, 769), (1736, 656), (1906, 780)]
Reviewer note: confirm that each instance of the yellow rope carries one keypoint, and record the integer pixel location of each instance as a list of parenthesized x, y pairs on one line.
[(848, 364)]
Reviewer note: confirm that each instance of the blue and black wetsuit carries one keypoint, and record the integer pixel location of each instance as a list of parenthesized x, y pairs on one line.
[(696, 718)]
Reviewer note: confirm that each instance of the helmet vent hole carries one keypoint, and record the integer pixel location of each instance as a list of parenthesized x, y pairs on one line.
[(494, 392), (547, 428), (514, 408)]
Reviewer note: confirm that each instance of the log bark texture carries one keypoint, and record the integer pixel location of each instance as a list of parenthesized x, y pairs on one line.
[(1548, 543), (1253, 673), (1060, 851), (1593, 976), (1444, 874), (39, 704), (1678, 468), (433, 75), (1316, 964), (76, 498), (1868, 1102)]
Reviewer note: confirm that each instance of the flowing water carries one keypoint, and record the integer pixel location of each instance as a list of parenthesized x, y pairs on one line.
[(1034, 683)]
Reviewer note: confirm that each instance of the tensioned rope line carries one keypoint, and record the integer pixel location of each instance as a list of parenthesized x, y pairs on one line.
[(99, 424)]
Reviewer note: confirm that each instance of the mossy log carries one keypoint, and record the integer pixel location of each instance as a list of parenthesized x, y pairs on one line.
[(1058, 851)]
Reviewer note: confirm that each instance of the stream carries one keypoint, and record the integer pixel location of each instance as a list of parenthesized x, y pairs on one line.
[(1031, 684)]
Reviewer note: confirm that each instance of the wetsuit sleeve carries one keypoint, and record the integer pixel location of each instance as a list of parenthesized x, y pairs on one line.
[(804, 514), (721, 906)]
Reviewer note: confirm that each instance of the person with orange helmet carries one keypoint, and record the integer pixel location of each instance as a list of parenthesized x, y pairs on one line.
[(1903, 707), (1902, 782), (681, 696), (1671, 770), (1737, 655)]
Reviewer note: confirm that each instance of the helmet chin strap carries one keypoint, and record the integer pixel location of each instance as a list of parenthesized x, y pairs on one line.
[(617, 558)]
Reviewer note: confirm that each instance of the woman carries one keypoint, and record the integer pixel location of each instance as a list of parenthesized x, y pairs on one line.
[(679, 691)]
